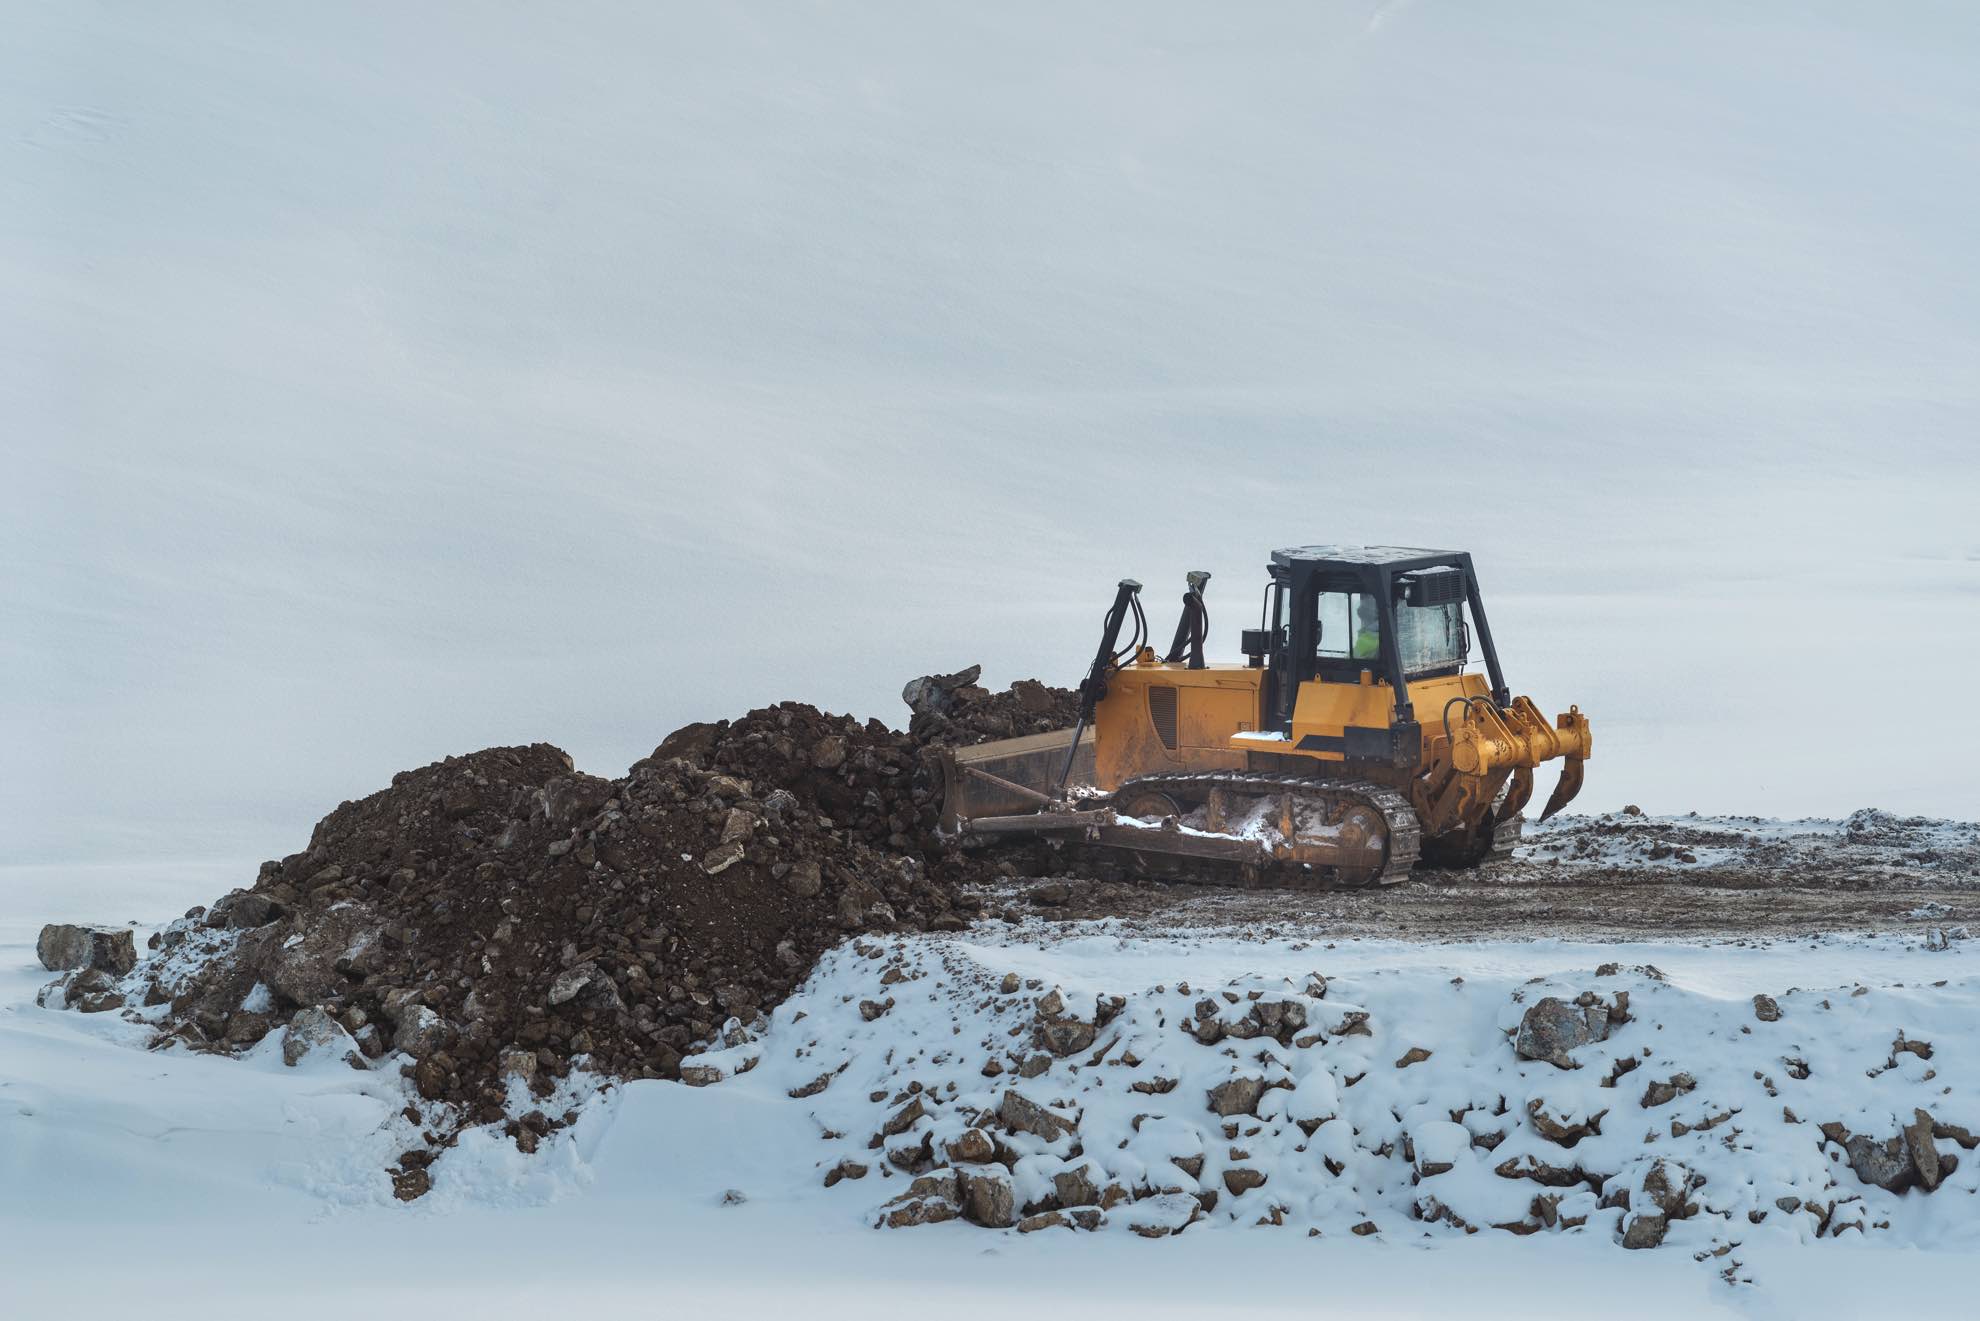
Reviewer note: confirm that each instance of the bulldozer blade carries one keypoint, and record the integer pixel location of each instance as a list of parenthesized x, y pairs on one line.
[(1569, 786)]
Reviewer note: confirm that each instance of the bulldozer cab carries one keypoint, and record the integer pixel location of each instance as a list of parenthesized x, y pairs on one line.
[(1362, 614)]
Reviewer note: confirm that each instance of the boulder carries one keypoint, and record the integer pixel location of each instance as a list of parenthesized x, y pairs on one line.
[(566, 799), (1663, 1093), (1766, 1009), (987, 1196), (64, 945), (571, 982), (973, 1147), (1021, 1114), (243, 910), (1549, 1030), (311, 1030), (1564, 1131), (934, 694), (421, 1032), (1066, 1036), (309, 965), (1242, 1180), (1236, 1096), (845, 1169), (1886, 1164), (1646, 1229)]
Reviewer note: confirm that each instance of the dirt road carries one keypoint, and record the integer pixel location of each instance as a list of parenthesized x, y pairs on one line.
[(1613, 877)]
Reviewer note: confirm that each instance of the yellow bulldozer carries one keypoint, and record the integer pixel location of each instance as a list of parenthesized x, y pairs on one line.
[(1356, 740)]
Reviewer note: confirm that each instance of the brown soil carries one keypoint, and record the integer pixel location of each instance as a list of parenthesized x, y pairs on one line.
[(502, 913)]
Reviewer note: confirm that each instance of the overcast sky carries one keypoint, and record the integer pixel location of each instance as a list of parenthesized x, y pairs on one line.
[(382, 382)]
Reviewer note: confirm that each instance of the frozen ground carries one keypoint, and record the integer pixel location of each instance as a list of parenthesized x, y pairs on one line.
[(191, 1185)]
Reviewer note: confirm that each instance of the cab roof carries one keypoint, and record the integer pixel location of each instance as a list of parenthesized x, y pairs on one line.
[(1394, 556)]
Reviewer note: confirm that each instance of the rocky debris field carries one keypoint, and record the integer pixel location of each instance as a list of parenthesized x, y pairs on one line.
[(502, 932), (500, 917), (1398, 1102), (1621, 876)]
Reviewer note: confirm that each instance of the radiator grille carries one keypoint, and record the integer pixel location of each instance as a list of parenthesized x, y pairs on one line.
[(1162, 713)]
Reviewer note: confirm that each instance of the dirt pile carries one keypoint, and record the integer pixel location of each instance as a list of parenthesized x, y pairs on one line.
[(954, 709), (501, 915)]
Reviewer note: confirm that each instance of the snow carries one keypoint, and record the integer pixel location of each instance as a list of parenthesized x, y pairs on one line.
[(276, 1174)]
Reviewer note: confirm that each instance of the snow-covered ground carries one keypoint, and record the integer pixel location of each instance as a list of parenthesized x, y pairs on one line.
[(191, 1185)]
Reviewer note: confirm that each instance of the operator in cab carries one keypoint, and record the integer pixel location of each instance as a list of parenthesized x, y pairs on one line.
[(1367, 628)]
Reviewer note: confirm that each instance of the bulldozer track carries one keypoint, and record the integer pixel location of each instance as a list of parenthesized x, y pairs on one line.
[(1405, 832), (1505, 838)]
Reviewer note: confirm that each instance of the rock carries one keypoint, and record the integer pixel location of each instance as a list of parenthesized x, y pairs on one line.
[(1553, 1027), (734, 1197), (905, 1118), (845, 1169), (1075, 1187), (829, 753), (62, 946), (973, 1147), (987, 1197), (1663, 1093), (812, 1088), (309, 1030), (1241, 1180), (565, 800), (1021, 1114), (739, 826), (1052, 894), (1886, 1164), (1010, 984), (920, 1211), (243, 910), (804, 879), (1645, 1230), (1034, 1065), (722, 857), (1043, 1220), (409, 1184), (1561, 1131), (934, 694), (872, 1009), (690, 743), (421, 1032), (1668, 1185), (1365, 1228), (1766, 1009), (1163, 1214), (308, 966), (1236, 1096), (1925, 1158), (1050, 1005), (701, 1075), (929, 1200), (518, 1064), (571, 982), (1414, 1055), (1066, 1036)]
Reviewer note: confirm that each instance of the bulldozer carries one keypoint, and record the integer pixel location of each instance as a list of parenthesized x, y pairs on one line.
[(1355, 741)]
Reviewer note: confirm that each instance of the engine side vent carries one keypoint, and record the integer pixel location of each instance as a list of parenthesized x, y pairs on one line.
[(1162, 713)]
